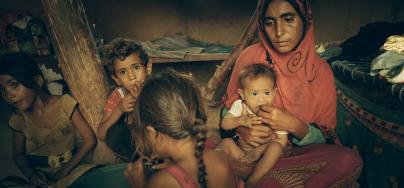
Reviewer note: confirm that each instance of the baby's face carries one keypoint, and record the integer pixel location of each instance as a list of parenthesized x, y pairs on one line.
[(258, 92), (129, 73)]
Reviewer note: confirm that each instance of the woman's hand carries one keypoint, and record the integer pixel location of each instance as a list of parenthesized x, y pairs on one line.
[(280, 119), (256, 135), (134, 174)]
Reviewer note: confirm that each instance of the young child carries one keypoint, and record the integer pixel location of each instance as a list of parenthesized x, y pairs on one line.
[(171, 123), (44, 126), (257, 88), (128, 65)]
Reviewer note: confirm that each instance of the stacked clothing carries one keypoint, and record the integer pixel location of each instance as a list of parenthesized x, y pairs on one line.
[(376, 63), (19, 31), (390, 64)]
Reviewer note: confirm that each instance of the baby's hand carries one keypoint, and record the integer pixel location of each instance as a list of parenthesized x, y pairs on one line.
[(250, 120), (127, 104)]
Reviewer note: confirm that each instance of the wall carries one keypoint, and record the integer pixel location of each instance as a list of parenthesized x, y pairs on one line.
[(214, 21), (220, 21), (343, 18)]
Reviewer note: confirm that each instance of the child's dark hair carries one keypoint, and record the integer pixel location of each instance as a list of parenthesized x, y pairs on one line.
[(120, 48), (22, 68), (171, 103), (254, 71)]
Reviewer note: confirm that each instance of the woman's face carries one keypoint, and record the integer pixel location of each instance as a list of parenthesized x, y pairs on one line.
[(16, 94), (283, 26)]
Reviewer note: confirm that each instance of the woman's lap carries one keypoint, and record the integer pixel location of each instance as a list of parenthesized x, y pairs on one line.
[(317, 165)]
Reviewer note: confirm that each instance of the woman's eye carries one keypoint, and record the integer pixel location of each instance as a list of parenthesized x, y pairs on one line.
[(267, 92), (289, 19), (269, 23), (254, 93)]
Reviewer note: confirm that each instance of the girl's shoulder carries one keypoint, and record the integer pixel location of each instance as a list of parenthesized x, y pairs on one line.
[(17, 121), (163, 179), (65, 102), (68, 104)]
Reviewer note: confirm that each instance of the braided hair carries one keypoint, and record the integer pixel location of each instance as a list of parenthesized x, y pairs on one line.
[(171, 103)]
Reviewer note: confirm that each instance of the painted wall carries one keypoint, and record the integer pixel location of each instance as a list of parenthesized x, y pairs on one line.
[(220, 21)]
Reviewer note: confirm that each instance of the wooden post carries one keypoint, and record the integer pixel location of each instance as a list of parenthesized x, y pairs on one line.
[(210, 91), (77, 55)]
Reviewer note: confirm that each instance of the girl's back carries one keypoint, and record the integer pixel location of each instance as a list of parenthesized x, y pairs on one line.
[(185, 174)]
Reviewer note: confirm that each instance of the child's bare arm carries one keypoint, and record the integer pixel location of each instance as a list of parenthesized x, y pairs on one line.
[(125, 105), (89, 142), (35, 177), (107, 122), (230, 122)]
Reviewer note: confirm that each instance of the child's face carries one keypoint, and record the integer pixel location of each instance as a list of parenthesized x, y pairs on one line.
[(257, 92), (16, 94), (130, 72)]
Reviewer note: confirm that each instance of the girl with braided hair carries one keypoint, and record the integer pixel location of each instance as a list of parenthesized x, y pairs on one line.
[(170, 122)]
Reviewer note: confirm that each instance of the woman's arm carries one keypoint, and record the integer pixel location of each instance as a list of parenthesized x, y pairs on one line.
[(20, 159), (89, 142), (256, 135), (314, 136), (283, 120)]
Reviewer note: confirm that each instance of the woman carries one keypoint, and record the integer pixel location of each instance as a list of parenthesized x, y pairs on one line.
[(305, 105)]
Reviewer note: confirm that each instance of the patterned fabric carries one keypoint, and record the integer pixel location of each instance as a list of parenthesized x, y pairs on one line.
[(359, 72), (315, 166), (294, 176), (376, 133), (388, 131)]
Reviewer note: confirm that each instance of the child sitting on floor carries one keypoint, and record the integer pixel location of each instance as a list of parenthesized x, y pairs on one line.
[(44, 126)]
